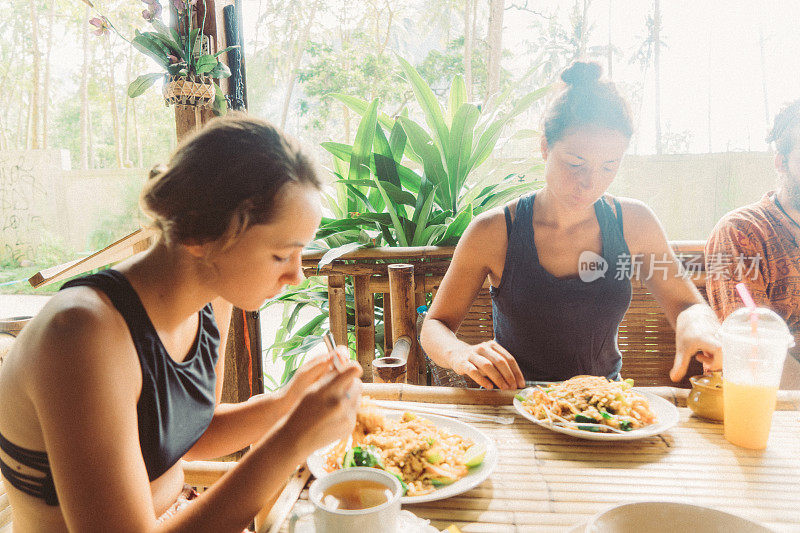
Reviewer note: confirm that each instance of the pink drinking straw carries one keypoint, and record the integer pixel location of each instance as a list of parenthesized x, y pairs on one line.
[(741, 288)]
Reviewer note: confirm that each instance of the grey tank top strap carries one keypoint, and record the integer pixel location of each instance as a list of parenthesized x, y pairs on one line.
[(557, 328)]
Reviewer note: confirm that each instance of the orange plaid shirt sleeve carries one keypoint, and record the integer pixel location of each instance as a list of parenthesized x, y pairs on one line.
[(758, 246)]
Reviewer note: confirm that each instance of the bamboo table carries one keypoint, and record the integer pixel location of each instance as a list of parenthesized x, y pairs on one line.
[(545, 481)]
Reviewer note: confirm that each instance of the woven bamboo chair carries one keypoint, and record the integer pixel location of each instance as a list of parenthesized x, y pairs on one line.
[(646, 340)]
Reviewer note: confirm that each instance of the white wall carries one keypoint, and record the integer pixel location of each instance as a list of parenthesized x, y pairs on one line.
[(691, 192)]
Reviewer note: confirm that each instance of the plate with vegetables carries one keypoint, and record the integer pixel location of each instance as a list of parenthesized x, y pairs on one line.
[(433, 457), (595, 408)]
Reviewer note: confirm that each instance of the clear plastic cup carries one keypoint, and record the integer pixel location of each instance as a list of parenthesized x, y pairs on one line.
[(753, 353)]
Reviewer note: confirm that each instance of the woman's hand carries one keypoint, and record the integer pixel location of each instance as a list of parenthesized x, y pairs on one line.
[(311, 371), (327, 411), (695, 331), (489, 364)]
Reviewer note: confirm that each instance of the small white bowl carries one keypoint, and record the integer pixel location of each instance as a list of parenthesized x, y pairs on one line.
[(669, 517)]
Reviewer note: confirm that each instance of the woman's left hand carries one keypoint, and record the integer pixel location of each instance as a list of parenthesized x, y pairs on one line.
[(695, 334)]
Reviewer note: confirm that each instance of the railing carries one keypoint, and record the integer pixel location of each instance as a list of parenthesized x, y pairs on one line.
[(405, 276)]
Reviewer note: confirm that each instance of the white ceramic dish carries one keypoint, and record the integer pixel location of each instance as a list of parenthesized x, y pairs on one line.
[(668, 517), (666, 416), (476, 476)]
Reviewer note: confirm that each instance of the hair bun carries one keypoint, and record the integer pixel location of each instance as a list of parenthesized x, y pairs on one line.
[(156, 171), (582, 73)]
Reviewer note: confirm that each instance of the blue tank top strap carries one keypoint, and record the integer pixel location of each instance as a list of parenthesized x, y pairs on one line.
[(509, 223), (122, 295), (619, 216)]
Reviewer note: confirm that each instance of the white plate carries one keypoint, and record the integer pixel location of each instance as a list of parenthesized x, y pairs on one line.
[(666, 416), (476, 476)]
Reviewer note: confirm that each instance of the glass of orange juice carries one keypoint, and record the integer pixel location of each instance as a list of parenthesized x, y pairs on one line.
[(754, 346)]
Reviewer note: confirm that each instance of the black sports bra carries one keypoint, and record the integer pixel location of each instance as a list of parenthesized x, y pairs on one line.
[(176, 403)]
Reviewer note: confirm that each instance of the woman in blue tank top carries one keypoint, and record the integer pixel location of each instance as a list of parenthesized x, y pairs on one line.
[(119, 376), (560, 261)]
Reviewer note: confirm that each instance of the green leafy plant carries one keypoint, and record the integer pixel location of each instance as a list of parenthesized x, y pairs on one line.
[(179, 53), (381, 199), (401, 183)]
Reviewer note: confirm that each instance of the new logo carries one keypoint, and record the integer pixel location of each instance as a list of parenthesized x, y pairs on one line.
[(591, 266)]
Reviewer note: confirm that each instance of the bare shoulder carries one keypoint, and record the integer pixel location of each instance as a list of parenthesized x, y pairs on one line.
[(486, 232), (636, 215), (80, 336), (632, 209), (642, 229)]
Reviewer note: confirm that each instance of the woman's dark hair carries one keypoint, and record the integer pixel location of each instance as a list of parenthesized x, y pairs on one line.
[(224, 179), (785, 131), (586, 101)]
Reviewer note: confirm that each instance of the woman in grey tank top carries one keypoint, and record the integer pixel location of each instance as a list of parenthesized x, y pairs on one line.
[(560, 261)]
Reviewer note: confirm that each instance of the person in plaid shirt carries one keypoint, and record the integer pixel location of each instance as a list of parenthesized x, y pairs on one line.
[(759, 244)]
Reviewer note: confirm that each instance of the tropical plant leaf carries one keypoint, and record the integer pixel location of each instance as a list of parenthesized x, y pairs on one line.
[(398, 195), (360, 107), (352, 188), (226, 49), (335, 253), (431, 234), (191, 43), (205, 64), (381, 218), (460, 148), (362, 145), (369, 238), (397, 142), (399, 228), (151, 48), (421, 215), (422, 143), (142, 83), (458, 95), (171, 32), (220, 105), (386, 170), (166, 40), (339, 150), (456, 228), (220, 70), (427, 100)]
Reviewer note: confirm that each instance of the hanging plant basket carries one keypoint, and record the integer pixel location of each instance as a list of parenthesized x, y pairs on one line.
[(189, 91)]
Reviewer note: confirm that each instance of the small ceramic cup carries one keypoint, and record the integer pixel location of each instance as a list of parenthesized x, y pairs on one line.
[(379, 519)]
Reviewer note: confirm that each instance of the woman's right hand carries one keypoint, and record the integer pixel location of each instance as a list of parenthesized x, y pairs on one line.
[(489, 365), (327, 411)]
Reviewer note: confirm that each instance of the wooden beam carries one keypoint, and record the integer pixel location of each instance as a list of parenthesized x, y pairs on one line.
[(127, 246)]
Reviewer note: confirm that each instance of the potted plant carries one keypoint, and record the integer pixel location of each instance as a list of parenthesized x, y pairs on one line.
[(189, 69), (401, 183)]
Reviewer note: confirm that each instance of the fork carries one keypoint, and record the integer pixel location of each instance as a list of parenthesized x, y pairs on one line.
[(331, 346)]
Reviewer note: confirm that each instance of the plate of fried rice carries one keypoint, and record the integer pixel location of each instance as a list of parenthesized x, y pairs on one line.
[(595, 408), (434, 457)]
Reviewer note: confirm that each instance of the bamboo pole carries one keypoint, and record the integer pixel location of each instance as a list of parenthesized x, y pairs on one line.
[(337, 309), (365, 325), (388, 334), (401, 289)]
